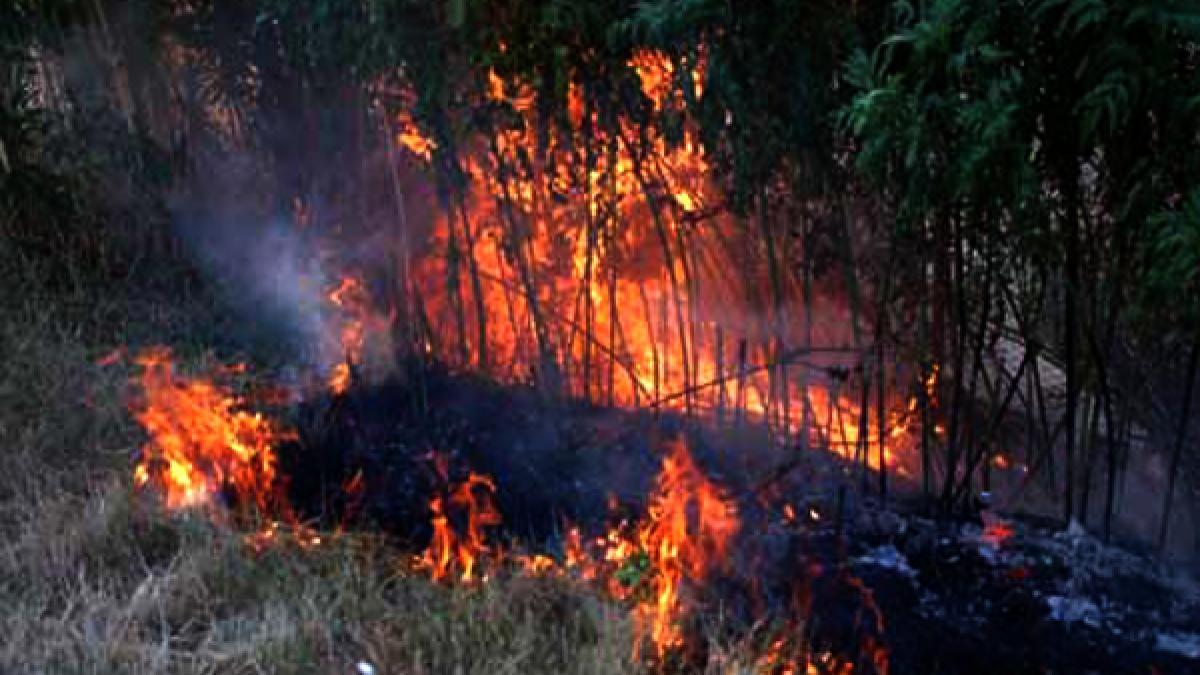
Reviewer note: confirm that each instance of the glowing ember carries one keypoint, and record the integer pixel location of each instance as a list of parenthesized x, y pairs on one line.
[(202, 439), (996, 530)]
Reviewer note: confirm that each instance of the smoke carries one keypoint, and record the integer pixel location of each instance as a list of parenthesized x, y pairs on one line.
[(268, 272)]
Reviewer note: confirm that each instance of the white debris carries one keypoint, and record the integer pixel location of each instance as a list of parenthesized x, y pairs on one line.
[(887, 556), (365, 668), (1070, 610), (1075, 530), (1184, 644)]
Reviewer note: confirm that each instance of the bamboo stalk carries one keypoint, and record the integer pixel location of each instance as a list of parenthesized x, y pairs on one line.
[(1092, 424), (481, 322), (668, 262), (613, 329), (570, 324), (740, 400), (862, 444), (1180, 439), (777, 380), (720, 373), (881, 396), (648, 316), (548, 372)]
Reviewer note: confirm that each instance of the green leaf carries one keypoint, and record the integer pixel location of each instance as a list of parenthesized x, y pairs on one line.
[(456, 13)]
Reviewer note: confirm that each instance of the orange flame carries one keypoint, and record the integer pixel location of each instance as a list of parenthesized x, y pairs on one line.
[(202, 440), (448, 548), (358, 325), (585, 259), (688, 528), (349, 297)]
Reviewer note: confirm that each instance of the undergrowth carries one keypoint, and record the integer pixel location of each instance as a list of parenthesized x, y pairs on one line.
[(96, 578)]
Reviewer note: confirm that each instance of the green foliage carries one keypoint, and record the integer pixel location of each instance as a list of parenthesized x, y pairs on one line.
[(976, 108), (942, 110), (1172, 261), (634, 570)]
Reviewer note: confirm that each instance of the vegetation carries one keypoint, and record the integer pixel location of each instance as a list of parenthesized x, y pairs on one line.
[(967, 173)]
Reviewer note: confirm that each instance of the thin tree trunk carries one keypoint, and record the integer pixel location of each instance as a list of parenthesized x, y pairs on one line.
[(862, 444), (1092, 424), (481, 353), (720, 374), (778, 320), (952, 436), (740, 399), (1071, 217), (1180, 439)]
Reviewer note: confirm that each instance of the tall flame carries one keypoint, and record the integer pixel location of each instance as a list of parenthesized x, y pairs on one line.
[(596, 259), (356, 321), (687, 531)]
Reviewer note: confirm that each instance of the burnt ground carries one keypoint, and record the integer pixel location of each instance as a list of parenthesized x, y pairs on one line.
[(1043, 600), (952, 600)]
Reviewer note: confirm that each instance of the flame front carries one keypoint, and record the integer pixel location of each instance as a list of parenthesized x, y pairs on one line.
[(595, 262), (202, 439), (598, 260)]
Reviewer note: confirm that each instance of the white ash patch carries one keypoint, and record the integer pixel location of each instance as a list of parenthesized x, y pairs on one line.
[(1183, 644), (888, 557)]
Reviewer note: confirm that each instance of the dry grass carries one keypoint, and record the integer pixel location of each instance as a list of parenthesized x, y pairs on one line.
[(102, 590), (95, 586), (95, 580)]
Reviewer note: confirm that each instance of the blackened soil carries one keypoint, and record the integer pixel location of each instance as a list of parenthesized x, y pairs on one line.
[(949, 606)]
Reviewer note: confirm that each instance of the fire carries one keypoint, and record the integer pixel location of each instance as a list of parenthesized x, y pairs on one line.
[(600, 266), (202, 439), (596, 262), (357, 322), (685, 535), (440, 552), (687, 532), (350, 298), (449, 549), (996, 530), (784, 658)]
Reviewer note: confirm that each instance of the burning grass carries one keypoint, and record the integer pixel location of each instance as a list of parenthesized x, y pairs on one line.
[(96, 577), (116, 590), (111, 559), (662, 564)]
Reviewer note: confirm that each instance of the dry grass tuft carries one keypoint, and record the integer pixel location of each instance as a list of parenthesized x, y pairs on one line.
[(94, 585)]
